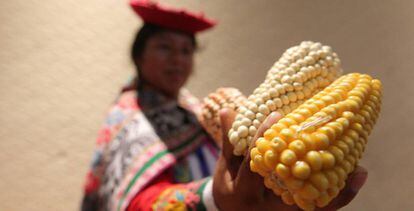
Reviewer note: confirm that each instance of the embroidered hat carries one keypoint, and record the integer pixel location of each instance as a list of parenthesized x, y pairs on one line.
[(172, 18)]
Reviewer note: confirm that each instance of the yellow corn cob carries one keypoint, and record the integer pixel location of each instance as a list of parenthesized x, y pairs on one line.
[(306, 157), (230, 98), (301, 72)]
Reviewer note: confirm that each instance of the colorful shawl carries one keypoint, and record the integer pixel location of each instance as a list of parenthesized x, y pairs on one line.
[(131, 152)]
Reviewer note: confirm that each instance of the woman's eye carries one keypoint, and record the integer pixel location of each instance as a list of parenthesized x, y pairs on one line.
[(164, 47)]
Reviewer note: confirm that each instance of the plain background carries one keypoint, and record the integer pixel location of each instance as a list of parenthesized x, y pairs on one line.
[(63, 62)]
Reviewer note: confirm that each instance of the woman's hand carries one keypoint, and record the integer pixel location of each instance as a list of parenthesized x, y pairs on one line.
[(236, 187)]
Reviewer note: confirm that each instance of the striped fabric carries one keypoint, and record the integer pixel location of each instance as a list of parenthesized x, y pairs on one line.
[(143, 136)]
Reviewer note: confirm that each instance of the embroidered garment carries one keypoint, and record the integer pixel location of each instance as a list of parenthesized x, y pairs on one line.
[(150, 148)]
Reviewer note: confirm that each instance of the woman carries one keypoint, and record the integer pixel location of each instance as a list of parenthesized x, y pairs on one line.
[(152, 154)]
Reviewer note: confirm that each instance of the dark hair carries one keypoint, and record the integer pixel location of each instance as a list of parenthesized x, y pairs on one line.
[(145, 32)]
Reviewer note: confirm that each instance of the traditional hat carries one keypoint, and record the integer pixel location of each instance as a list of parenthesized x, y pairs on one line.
[(172, 18)]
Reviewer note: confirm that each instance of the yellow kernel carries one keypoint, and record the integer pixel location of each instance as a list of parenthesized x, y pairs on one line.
[(269, 134), (344, 122), (352, 134), (333, 192), (298, 147), (288, 157), (301, 170), (320, 181), (287, 198), (332, 177), (262, 145), (287, 134), (268, 182), (343, 146), (323, 200), (314, 159), (328, 160), (307, 140), (294, 184), (253, 167), (277, 190), (278, 144), (346, 165), (287, 121), (330, 132), (358, 100), (352, 160), (321, 140), (349, 141), (258, 161), (278, 127), (320, 104), (337, 95), (254, 152), (337, 127), (339, 155), (304, 112), (270, 159), (357, 127), (302, 203), (309, 192), (313, 108), (328, 99), (297, 117), (282, 171), (341, 173), (341, 184)]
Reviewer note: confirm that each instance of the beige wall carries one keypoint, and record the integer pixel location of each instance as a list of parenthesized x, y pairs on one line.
[(62, 62)]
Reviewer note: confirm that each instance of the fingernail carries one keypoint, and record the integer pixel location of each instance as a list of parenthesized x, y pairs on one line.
[(358, 180)]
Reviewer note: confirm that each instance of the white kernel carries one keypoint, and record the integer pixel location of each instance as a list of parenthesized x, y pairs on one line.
[(290, 71), (246, 122), (297, 86), (278, 102), (288, 87), (236, 124), (261, 117), (271, 105), (250, 115), (273, 92), (239, 117), (300, 95), (286, 79), (286, 109), (252, 107), (252, 130), (292, 96), (264, 109), (280, 89), (234, 137), (242, 131), (256, 123), (258, 101), (285, 99)]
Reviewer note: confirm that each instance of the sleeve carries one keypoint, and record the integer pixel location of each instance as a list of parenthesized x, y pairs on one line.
[(162, 194)]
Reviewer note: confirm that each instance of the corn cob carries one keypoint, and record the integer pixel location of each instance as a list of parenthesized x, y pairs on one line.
[(301, 72), (306, 157), (222, 98)]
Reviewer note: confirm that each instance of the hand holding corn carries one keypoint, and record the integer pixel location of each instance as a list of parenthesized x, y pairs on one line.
[(236, 187), (307, 156)]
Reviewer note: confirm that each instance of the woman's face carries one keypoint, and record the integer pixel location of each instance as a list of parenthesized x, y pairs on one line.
[(167, 61)]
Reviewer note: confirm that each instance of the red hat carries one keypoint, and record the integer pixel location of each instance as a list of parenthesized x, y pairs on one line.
[(171, 18)]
